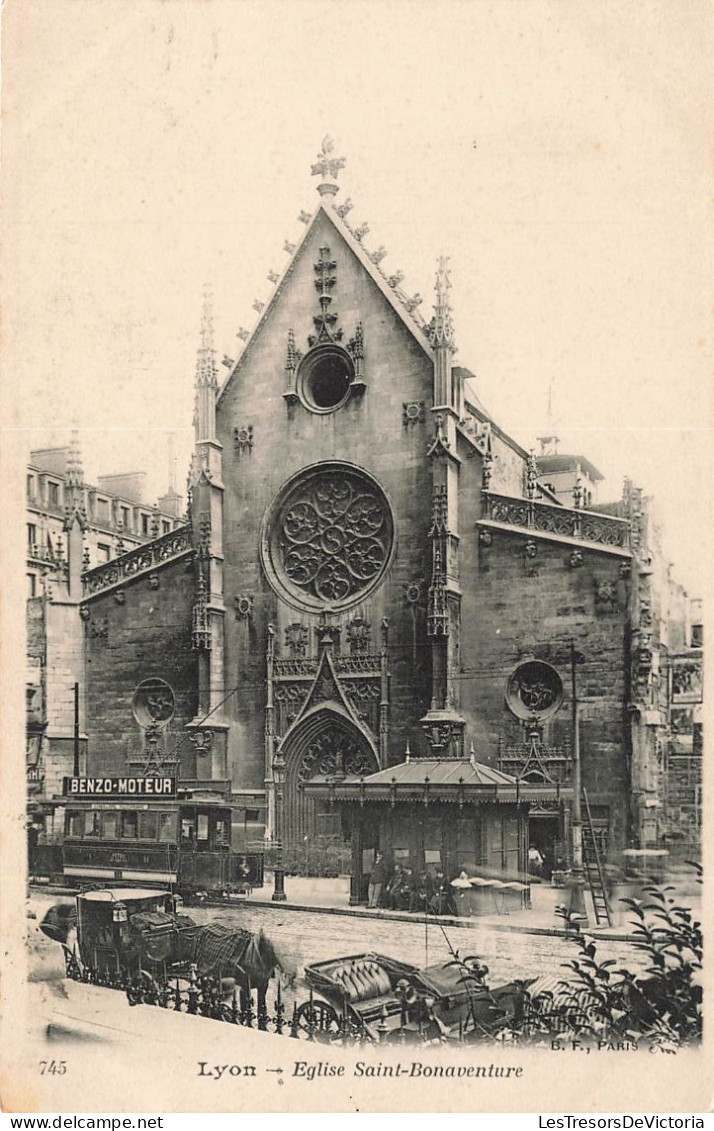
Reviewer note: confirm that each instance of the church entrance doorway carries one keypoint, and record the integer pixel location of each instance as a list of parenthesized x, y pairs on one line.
[(326, 746)]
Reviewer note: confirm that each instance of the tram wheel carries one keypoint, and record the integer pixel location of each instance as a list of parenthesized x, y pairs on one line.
[(317, 1018)]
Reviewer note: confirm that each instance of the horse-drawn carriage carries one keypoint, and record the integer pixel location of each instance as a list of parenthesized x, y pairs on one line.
[(140, 941), (383, 999)]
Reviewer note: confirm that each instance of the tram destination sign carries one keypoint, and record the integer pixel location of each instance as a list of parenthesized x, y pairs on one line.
[(120, 787)]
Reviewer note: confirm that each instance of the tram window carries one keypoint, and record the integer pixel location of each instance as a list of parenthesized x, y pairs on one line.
[(75, 822), (166, 827), (109, 826), (148, 826), (202, 826), (222, 832), (129, 825), (187, 829), (91, 823)]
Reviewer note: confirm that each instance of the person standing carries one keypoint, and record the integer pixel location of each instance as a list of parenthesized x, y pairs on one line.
[(376, 880)]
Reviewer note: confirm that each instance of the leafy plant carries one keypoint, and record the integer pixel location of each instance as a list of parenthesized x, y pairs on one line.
[(659, 1004)]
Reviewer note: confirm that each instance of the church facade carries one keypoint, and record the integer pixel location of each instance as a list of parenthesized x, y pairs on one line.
[(374, 572)]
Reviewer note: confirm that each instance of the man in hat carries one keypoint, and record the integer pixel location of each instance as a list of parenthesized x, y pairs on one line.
[(380, 874)]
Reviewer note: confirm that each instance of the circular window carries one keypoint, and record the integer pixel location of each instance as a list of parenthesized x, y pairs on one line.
[(535, 690), (153, 703), (325, 377), (328, 537)]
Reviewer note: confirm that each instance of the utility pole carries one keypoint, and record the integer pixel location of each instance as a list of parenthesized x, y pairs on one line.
[(279, 895), (577, 877), (75, 768)]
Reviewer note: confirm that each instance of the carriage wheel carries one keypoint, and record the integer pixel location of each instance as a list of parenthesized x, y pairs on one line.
[(317, 1018)]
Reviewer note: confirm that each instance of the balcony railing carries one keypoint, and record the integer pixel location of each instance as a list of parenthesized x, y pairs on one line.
[(141, 560), (567, 522)]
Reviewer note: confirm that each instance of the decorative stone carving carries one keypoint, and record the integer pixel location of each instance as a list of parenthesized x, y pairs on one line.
[(100, 631), (485, 538), (364, 695), (243, 605), (335, 753), (243, 438), (530, 549), (200, 627), (273, 276), (258, 306), (153, 703), (120, 597), (326, 165), (154, 581), (531, 475), (290, 698), (344, 208), (296, 639), (440, 445), (359, 636), (395, 279), (304, 217), (378, 255), (413, 412), (625, 570), (534, 690), (330, 537), (85, 612), (412, 303), (289, 247), (576, 559), (243, 334), (360, 232), (414, 592), (202, 741), (606, 594)]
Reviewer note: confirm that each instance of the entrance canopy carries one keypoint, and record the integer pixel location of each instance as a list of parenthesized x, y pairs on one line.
[(456, 780)]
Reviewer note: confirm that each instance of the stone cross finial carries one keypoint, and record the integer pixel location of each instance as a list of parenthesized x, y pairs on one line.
[(327, 167)]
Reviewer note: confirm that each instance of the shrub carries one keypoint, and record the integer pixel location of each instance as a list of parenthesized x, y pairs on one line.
[(660, 1004)]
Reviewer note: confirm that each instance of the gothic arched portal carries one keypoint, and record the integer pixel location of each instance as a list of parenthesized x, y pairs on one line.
[(325, 745)]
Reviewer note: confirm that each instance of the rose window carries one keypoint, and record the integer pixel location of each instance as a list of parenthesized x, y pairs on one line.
[(535, 690), (329, 537)]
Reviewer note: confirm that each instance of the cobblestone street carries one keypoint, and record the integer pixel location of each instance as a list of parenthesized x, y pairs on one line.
[(302, 937)]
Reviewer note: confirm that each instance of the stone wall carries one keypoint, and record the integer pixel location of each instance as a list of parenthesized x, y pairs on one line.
[(370, 431), (147, 635), (517, 608)]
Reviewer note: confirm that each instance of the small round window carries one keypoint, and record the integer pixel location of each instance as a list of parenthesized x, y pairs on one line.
[(325, 378), (153, 703), (535, 690)]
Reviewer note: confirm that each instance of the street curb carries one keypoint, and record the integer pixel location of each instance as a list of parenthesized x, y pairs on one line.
[(389, 916)]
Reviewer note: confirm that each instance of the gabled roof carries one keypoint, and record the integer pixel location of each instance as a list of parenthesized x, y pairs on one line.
[(396, 298), (441, 771)]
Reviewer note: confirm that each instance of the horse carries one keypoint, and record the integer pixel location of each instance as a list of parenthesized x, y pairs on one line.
[(243, 960)]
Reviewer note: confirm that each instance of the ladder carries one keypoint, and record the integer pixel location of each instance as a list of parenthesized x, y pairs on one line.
[(593, 868)]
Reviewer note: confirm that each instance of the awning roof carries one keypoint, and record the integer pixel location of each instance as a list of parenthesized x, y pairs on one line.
[(458, 780)]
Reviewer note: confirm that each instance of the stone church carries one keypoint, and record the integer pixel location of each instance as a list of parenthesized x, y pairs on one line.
[(380, 602)]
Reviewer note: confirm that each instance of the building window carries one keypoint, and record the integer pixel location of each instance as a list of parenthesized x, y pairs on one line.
[(31, 537), (102, 510), (125, 517), (145, 524), (325, 377), (104, 552), (32, 584), (53, 494), (165, 527), (31, 487), (697, 636)]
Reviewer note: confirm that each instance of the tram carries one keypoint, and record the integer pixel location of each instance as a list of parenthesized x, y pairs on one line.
[(186, 845)]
